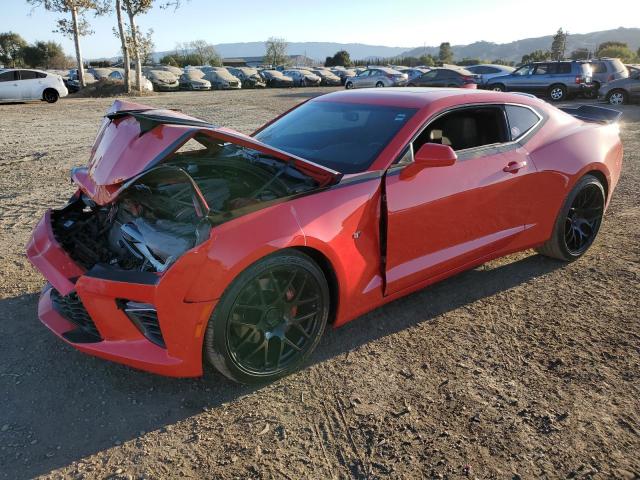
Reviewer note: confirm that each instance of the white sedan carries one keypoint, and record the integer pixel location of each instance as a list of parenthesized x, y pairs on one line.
[(17, 85)]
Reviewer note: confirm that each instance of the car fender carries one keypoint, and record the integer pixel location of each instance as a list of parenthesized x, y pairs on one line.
[(340, 223)]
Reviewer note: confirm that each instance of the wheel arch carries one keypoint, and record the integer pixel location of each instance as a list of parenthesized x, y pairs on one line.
[(603, 180), (329, 273)]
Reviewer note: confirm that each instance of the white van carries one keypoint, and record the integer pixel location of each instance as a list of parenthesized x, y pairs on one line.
[(18, 85)]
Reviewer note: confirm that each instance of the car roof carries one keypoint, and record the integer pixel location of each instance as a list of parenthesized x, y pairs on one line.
[(421, 97)]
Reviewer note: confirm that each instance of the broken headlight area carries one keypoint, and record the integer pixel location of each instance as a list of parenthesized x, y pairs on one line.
[(170, 209)]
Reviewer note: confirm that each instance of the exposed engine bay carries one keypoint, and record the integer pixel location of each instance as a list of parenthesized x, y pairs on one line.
[(171, 208)]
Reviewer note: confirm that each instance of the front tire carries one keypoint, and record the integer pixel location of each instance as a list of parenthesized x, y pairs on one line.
[(50, 95), (269, 320), (348, 85), (379, 85), (557, 93), (498, 87), (578, 221), (617, 97)]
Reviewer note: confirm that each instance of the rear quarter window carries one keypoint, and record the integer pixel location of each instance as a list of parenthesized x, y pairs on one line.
[(521, 120)]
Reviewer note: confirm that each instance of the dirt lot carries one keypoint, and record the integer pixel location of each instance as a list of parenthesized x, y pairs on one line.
[(522, 368)]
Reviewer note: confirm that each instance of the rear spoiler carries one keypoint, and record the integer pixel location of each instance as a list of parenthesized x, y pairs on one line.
[(591, 113)]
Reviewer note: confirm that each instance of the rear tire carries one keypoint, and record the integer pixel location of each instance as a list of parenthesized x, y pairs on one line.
[(557, 93), (269, 319), (578, 221), (348, 85), (497, 87), (50, 95)]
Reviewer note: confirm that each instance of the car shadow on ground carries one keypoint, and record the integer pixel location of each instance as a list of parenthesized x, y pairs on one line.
[(59, 405)]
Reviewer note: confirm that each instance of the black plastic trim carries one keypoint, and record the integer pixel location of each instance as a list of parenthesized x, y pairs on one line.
[(106, 272)]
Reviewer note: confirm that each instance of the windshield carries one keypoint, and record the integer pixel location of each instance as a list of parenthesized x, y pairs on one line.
[(346, 137)]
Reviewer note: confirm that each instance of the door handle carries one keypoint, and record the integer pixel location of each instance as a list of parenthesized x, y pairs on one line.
[(513, 167)]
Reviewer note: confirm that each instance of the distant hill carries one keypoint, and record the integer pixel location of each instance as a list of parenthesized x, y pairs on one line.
[(315, 50), (482, 49), (515, 50)]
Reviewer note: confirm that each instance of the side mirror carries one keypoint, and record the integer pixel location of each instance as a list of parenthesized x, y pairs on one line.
[(429, 155), (435, 155)]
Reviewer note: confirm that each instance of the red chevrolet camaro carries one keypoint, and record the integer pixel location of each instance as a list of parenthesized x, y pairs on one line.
[(187, 243)]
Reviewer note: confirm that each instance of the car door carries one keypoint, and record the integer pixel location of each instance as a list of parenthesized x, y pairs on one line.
[(428, 79), (542, 77), (634, 86), (519, 80), (443, 218), (30, 85), (10, 86)]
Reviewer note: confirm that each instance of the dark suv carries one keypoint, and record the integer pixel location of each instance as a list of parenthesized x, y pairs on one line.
[(557, 80)]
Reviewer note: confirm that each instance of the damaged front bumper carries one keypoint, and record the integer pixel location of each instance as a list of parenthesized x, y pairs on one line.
[(98, 310)]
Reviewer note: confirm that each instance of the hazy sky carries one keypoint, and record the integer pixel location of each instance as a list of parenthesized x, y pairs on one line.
[(402, 23)]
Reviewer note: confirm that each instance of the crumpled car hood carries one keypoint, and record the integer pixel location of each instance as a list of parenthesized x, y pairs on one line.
[(134, 138)]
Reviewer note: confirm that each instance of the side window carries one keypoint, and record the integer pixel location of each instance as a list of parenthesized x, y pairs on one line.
[(28, 75), (491, 70), (541, 69), (564, 68), (430, 75), (466, 128), (407, 156), (8, 76), (521, 120), (41, 75), (598, 67)]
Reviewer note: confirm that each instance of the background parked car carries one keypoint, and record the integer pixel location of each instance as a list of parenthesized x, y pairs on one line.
[(162, 80), (344, 73), (274, 78), (623, 90), (377, 77), (413, 73), (302, 78), (249, 77), (327, 77), (446, 77), (605, 70), (557, 80), (632, 69), (194, 80), (117, 75), (73, 84), (220, 78), (100, 73), (22, 84), (488, 71)]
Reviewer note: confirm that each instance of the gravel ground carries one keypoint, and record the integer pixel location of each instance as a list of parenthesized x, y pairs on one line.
[(522, 368)]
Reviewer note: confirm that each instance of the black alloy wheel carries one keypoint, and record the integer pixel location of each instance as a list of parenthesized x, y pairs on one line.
[(583, 219), (269, 320), (578, 222)]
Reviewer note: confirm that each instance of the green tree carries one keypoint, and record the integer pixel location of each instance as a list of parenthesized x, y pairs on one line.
[(536, 56), (624, 53), (276, 51), (204, 53), (74, 25), (499, 61), (11, 46), (43, 54), (340, 58), (446, 54), (469, 61), (580, 54), (607, 45), (427, 60), (559, 45)]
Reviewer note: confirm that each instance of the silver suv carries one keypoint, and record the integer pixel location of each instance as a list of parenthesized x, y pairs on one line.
[(605, 70), (556, 80)]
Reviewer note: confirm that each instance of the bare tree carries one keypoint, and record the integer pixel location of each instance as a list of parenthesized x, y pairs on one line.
[(126, 59), (133, 8), (204, 52), (276, 51), (76, 26)]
